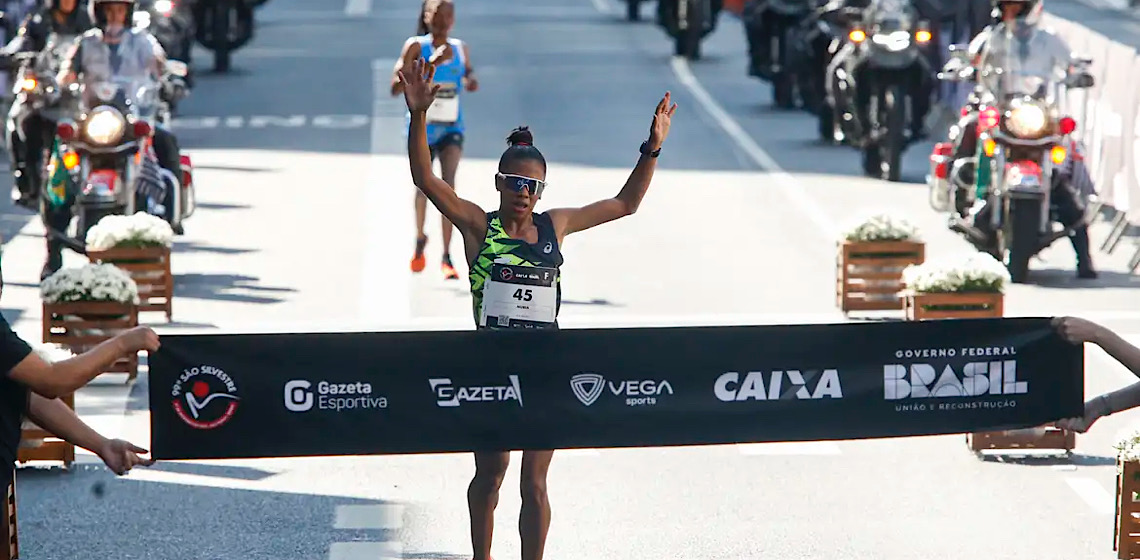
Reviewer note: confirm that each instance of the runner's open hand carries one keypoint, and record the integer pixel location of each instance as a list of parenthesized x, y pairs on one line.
[(662, 119), (121, 456), (1095, 409), (419, 90)]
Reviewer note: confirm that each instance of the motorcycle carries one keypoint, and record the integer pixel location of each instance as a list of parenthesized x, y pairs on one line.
[(224, 26), (887, 59), (35, 91), (1023, 133), (813, 45), (774, 20), (108, 151), (688, 22), (170, 22)]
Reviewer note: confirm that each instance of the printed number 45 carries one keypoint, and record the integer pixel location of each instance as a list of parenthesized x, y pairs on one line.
[(523, 294)]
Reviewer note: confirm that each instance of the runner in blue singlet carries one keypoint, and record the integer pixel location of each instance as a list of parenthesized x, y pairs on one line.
[(453, 72), (515, 257)]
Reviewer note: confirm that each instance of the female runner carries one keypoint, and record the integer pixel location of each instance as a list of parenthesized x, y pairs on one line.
[(514, 236), (452, 61)]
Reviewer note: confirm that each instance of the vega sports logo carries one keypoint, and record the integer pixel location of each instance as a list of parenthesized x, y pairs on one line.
[(204, 397)]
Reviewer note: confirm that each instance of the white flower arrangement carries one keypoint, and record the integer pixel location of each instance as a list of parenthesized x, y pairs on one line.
[(91, 282), (136, 231), (881, 227), (979, 272), (1128, 445)]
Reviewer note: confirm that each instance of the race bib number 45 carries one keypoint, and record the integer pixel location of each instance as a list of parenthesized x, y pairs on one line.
[(445, 108), (520, 297)]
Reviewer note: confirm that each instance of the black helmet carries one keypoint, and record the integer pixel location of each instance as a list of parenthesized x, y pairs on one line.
[(1030, 9), (99, 19)]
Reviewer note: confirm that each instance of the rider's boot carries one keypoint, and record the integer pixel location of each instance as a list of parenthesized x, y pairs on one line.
[(54, 260), (1080, 240)]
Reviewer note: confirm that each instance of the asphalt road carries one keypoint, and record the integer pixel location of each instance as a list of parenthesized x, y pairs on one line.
[(305, 221)]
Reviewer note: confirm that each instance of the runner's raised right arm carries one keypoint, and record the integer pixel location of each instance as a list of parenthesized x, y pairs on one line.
[(419, 92)]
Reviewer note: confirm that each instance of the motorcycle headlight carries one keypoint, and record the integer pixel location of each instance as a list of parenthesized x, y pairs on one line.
[(1028, 120), (894, 41), (105, 126)]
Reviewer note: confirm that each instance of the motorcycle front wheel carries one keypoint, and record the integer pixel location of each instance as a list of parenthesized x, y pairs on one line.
[(892, 139), (1024, 219)]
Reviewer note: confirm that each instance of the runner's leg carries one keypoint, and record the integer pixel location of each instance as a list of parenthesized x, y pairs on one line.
[(483, 497), (450, 152), (534, 519), (418, 260)]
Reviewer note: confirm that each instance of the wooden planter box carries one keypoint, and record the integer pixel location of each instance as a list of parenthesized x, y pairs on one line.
[(150, 269), (868, 274), (923, 307), (11, 547), (964, 305), (37, 444), (80, 326), (1047, 437), (1126, 529)]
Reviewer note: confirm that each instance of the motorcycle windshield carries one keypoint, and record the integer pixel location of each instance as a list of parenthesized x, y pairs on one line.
[(138, 95), (1023, 60), (889, 16)]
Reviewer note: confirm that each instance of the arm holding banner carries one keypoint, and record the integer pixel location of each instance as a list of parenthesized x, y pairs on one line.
[(67, 376), (58, 418), (1079, 331)]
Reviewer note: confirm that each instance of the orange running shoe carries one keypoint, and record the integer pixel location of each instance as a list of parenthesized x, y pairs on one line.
[(418, 260), (448, 270)]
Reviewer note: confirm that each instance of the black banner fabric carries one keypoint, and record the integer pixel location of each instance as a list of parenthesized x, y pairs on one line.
[(293, 395)]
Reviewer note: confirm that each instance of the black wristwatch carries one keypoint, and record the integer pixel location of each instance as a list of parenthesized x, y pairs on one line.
[(645, 150)]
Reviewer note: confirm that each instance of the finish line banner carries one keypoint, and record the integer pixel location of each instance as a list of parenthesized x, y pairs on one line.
[(216, 396)]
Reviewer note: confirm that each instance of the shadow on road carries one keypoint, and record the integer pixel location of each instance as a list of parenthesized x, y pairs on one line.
[(1066, 279), (65, 515), (192, 246), (1052, 460), (226, 287)]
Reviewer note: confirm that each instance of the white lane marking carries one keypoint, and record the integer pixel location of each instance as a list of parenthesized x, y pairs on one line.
[(385, 281), (601, 6), (366, 551), (790, 448), (783, 179), (357, 7), (376, 516), (1099, 499)]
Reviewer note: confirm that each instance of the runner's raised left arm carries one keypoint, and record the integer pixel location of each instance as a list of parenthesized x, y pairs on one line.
[(571, 220)]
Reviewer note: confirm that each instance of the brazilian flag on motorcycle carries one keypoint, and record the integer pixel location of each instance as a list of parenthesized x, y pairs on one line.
[(982, 171), (57, 177)]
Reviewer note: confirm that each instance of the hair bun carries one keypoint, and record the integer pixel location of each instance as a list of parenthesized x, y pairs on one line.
[(520, 136)]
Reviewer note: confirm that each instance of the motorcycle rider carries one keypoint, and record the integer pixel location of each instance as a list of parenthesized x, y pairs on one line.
[(28, 144), (1020, 21), (113, 48)]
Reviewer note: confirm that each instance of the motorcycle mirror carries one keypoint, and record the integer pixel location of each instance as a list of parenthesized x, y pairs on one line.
[(1081, 81), (177, 67)]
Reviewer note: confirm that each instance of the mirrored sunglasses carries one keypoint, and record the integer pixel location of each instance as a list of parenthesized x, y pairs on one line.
[(519, 183)]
